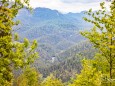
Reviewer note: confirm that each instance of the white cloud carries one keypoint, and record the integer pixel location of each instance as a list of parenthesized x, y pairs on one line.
[(62, 6), (81, 1)]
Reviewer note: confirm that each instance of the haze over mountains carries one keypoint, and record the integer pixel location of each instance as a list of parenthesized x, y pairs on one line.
[(54, 31), (59, 41)]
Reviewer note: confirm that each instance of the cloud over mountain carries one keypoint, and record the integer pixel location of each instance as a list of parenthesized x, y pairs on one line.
[(66, 6), (81, 1)]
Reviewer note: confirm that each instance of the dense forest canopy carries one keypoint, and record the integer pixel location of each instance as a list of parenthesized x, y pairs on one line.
[(89, 63)]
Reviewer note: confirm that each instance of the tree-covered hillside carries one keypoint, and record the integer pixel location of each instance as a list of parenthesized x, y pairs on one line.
[(68, 62), (55, 32), (66, 57)]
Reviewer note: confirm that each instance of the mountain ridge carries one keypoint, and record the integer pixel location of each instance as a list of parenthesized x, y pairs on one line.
[(52, 29)]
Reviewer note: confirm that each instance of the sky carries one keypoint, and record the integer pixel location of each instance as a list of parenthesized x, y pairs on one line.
[(66, 6)]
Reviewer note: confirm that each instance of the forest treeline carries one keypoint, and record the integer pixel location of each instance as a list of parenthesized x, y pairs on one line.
[(97, 71), (69, 62)]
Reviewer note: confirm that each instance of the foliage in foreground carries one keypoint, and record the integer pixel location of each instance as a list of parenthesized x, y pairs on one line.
[(102, 36), (13, 54), (30, 77), (98, 72), (89, 76)]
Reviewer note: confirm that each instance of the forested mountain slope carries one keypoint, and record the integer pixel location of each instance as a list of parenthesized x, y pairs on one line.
[(54, 31), (60, 43), (69, 61)]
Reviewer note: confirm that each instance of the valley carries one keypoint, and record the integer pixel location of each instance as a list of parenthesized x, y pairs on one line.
[(59, 40)]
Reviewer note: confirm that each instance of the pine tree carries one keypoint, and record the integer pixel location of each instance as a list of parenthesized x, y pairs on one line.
[(13, 54)]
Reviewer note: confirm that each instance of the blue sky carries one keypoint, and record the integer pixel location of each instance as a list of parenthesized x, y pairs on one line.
[(66, 6)]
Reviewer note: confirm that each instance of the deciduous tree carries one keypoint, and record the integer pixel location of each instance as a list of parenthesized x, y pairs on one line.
[(102, 36), (89, 75), (52, 81), (13, 54), (30, 77)]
